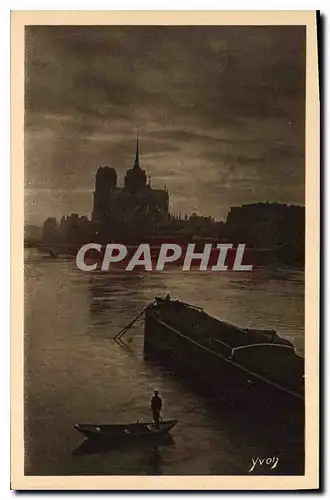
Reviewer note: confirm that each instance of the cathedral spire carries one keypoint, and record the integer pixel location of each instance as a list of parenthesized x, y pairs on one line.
[(137, 156)]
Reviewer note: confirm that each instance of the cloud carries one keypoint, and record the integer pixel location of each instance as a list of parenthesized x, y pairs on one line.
[(220, 111)]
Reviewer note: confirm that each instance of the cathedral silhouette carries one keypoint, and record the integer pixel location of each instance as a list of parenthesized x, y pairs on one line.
[(133, 203)]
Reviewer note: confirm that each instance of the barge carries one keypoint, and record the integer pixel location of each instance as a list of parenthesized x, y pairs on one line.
[(249, 366)]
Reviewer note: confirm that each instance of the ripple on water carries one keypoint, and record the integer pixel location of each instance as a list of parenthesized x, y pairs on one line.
[(76, 373)]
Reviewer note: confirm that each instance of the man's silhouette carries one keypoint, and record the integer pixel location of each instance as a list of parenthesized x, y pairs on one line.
[(156, 406)]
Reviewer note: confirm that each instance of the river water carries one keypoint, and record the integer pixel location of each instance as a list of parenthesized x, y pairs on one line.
[(75, 372)]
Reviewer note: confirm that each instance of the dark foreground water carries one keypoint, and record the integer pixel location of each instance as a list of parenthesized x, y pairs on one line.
[(75, 372)]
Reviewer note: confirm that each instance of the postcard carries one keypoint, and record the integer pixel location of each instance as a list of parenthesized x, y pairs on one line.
[(165, 182)]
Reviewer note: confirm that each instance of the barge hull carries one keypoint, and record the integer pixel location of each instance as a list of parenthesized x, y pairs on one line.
[(211, 372)]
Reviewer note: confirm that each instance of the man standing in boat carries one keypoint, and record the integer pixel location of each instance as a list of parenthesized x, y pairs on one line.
[(156, 406)]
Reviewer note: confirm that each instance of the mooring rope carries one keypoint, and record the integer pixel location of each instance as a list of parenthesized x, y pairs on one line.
[(122, 332)]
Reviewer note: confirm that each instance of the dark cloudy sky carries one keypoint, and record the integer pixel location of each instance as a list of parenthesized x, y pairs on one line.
[(220, 112)]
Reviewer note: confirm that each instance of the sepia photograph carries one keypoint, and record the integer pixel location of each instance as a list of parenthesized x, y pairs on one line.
[(168, 322)]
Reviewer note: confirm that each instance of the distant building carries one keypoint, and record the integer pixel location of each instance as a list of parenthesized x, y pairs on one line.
[(134, 204), (137, 210), (267, 225), (74, 229), (50, 231)]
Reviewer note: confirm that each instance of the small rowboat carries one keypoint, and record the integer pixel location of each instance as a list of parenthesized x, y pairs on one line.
[(125, 431)]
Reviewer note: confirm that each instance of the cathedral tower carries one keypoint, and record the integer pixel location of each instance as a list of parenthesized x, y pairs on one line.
[(136, 178)]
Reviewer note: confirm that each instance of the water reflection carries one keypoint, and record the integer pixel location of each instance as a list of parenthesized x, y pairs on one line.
[(92, 446), (148, 456), (76, 372)]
